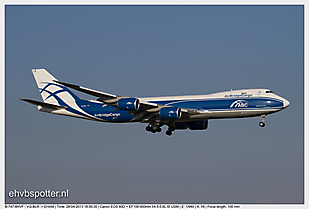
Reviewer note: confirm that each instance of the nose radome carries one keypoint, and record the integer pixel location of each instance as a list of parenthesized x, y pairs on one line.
[(286, 103)]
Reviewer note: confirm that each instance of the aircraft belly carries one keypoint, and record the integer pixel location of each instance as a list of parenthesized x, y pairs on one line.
[(240, 113)]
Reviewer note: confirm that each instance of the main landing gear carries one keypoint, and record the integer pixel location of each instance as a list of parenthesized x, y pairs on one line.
[(155, 127), (170, 130), (262, 124)]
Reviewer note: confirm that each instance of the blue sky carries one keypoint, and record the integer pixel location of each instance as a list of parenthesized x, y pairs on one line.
[(152, 51)]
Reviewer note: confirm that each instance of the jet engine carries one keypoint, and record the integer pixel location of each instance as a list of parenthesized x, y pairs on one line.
[(194, 125), (181, 125), (198, 125), (128, 104), (170, 113)]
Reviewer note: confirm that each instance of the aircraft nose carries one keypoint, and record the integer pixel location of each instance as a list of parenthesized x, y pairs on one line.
[(286, 103)]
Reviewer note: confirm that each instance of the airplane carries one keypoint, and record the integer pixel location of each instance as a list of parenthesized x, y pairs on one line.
[(177, 112)]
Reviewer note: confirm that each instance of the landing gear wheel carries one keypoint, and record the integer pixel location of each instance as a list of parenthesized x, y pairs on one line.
[(169, 132), (148, 128), (262, 124), (159, 130)]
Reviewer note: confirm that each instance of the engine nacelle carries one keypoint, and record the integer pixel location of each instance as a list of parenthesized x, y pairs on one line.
[(181, 125), (198, 125), (170, 113), (128, 104)]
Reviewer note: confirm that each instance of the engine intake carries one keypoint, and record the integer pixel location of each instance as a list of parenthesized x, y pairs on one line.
[(128, 104), (170, 113)]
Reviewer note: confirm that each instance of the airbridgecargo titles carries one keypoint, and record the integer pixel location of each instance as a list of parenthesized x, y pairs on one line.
[(107, 115), (238, 95), (176, 112)]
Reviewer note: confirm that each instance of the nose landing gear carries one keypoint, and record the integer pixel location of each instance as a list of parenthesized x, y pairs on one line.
[(262, 124)]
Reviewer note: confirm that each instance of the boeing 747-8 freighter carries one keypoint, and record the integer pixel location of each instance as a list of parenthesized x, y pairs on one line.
[(177, 112)]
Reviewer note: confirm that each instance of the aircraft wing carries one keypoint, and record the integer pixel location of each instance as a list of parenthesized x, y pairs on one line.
[(106, 97), (147, 111), (102, 95)]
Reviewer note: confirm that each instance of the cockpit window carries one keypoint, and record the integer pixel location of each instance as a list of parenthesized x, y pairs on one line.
[(269, 92)]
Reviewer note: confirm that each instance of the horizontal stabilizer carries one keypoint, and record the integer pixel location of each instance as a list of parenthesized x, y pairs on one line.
[(42, 104)]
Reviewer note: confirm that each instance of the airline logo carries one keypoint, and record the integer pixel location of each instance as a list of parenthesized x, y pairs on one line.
[(239, 103)]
